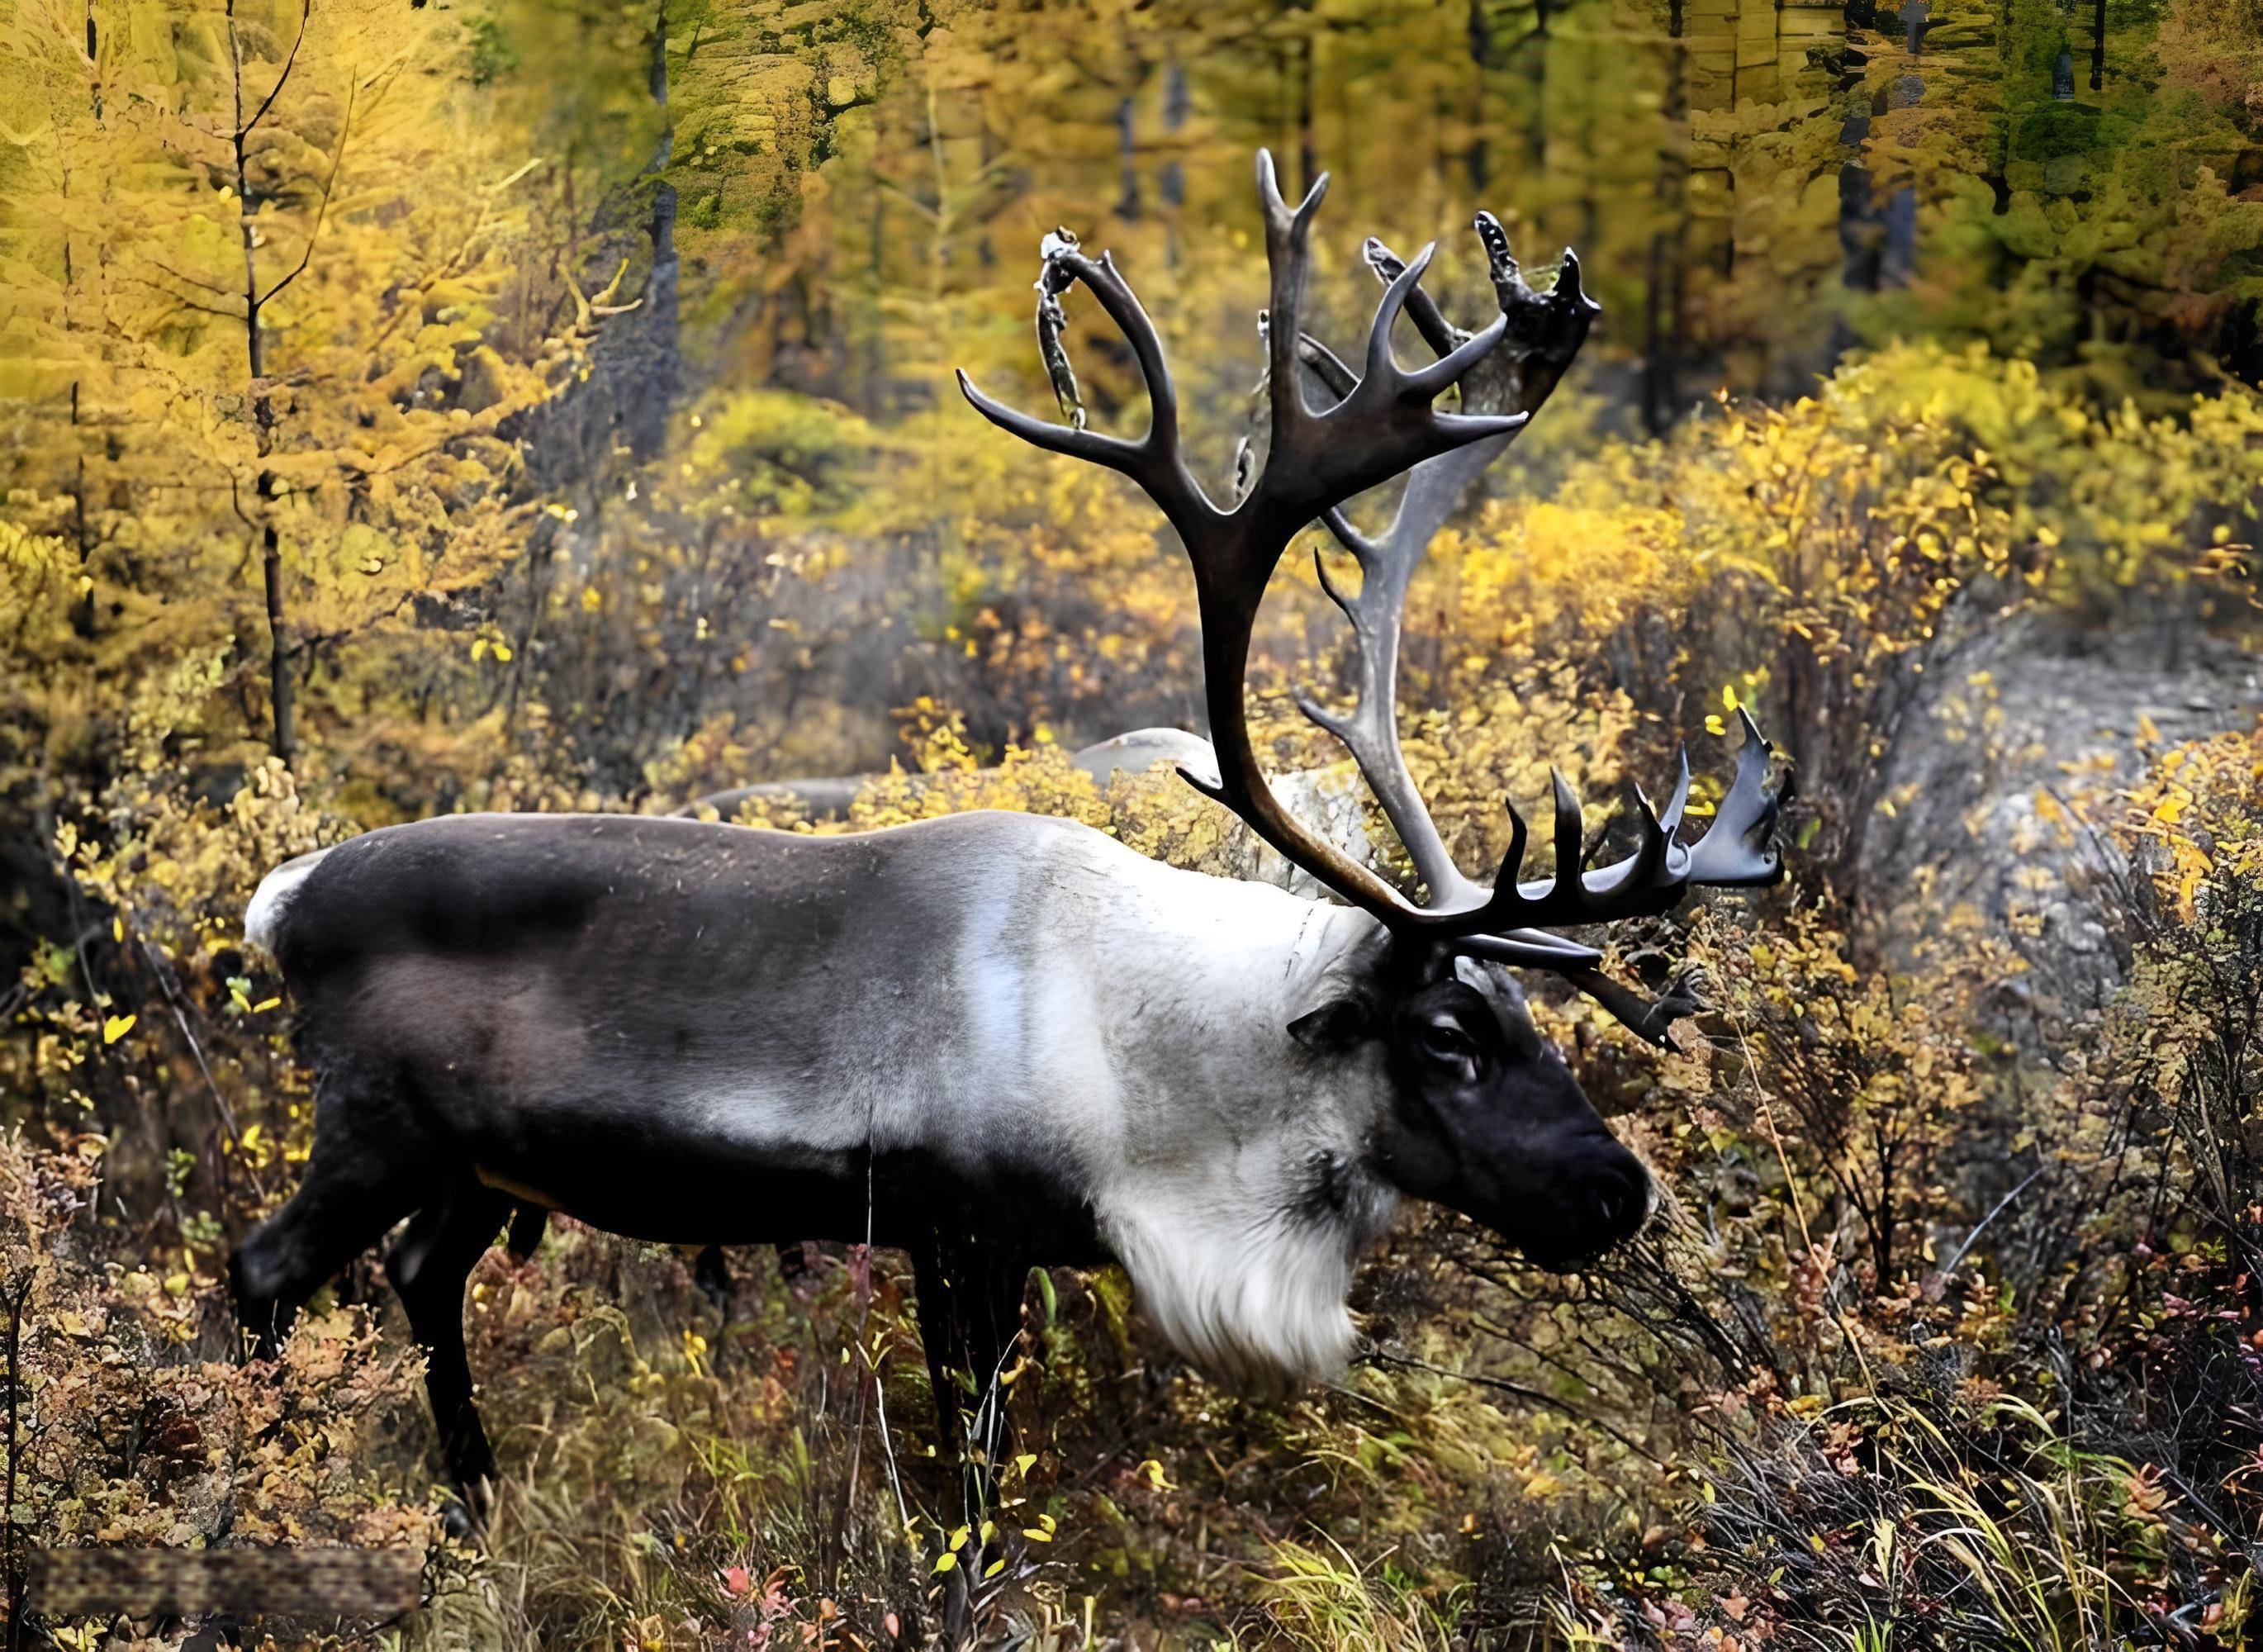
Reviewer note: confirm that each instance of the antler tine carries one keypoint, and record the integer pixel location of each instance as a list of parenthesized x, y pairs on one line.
[(1653, 852), (1738, 849), (1380, 426), (1380, 360), (1671, 820), (1107, 284), (1155, 461), (1287, 260), (1438, 332)]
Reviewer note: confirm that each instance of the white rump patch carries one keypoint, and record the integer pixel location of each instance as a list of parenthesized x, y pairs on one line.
[(262, 919)]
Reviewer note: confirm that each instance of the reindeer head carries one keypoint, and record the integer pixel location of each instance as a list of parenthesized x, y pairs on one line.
[(1483, 1115)]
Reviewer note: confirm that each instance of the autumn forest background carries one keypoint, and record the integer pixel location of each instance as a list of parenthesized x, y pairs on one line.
[(533, 405)]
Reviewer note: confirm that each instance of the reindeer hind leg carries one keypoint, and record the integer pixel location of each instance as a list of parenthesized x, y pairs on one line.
[(429, 1268), (710, 1271)]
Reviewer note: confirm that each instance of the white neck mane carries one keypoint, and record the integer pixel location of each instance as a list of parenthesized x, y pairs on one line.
[(1231, 1185), (1252, 1295)]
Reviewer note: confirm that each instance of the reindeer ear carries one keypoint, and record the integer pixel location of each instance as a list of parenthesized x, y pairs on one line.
[(1336, 1025)]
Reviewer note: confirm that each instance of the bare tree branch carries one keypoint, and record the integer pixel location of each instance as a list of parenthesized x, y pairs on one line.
[(305, 9), (183, 275), (323, 212)]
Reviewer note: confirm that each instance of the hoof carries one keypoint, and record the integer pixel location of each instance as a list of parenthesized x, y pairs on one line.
[(459, 1520), (711, 1273), (464, 1515)]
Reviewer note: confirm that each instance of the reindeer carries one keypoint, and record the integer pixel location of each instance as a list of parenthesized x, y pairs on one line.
[(997, 1041)]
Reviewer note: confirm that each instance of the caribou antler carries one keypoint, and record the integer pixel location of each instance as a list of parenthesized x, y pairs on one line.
[(1542, 332), (1382, 423), (1546, 330)]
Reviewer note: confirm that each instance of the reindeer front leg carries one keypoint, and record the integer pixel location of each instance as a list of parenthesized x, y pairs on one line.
[(970, 1309)]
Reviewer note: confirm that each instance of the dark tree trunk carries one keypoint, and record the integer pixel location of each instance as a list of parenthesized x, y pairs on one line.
[(653, 375), (281, 710), (1127, 157), (1662, 297), (1308, 165), (13, 1565)]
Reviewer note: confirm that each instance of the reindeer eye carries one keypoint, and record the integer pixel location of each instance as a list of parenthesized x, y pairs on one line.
[(1443, 1043)]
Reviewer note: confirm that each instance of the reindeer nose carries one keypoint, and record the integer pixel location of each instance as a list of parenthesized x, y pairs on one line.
[(1611, 1207), (1620, 1200)]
